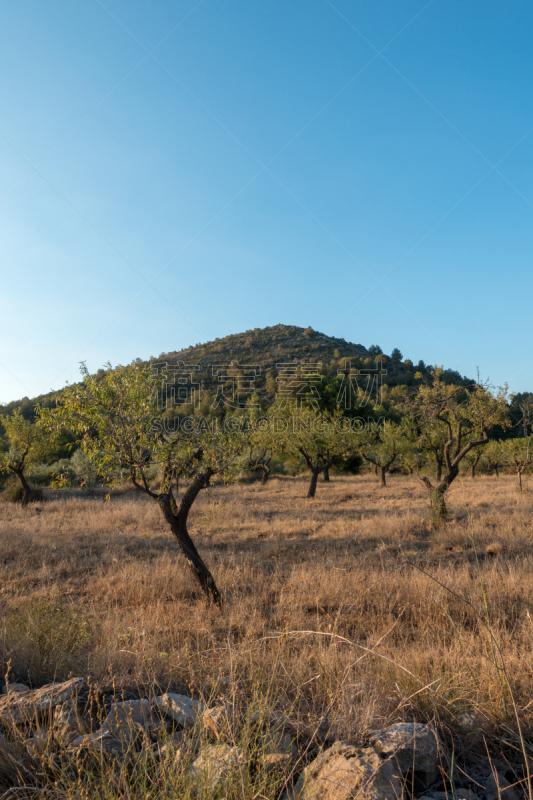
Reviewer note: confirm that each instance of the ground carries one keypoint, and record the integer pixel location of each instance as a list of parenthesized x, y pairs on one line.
[(348, 611)]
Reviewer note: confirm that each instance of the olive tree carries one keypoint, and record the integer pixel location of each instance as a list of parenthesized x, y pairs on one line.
[(465, 415), (28, 445), (117, 420)]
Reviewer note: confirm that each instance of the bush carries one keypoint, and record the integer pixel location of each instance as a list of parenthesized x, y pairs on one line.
[(13, 492), (85, 470)]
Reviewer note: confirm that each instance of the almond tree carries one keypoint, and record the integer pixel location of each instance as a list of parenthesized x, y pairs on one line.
[(117, 420), (466, 415), (381, 446), (516, 453), (321, 439), (28, 444), (493, 456)]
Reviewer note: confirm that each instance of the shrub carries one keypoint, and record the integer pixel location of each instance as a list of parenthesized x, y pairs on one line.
[(85, 469)]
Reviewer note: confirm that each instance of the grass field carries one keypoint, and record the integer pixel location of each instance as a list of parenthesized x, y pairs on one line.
[(348, 612)]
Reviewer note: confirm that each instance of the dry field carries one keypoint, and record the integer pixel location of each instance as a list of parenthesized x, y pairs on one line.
[(349, 612)]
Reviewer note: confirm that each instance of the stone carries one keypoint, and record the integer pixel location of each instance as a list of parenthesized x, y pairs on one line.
[(126, 718), (92, 738), (414, 749), (66, 725), (215, 718), (276, 761), (183, 709), (496, 786), (38, 743), (16, 687), (172, 744), (214, 765), (101, 741), (279, 732), (17, 707), (344, 772)]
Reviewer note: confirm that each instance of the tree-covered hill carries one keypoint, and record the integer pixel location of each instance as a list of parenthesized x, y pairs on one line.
[(267, 348)]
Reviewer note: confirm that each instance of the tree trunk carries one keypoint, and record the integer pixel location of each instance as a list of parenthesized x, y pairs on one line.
[(437, 496), (382, 471), (439, 469), (314, 478), (27, 491), (472, 471), (496, 470), (266, 473), (437, 499), (326, 474), (178, 526), (520, 471)]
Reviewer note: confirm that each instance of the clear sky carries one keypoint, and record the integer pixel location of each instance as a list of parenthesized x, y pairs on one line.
[(174, 172)]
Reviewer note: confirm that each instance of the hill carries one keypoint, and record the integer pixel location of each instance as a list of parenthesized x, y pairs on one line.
[(267, 348)]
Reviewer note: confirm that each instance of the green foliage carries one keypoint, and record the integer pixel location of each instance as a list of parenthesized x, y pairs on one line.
[(85, 469), (120, 428), (27, 443)]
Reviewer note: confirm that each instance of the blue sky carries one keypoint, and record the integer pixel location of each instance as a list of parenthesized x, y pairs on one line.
[(176, 172)]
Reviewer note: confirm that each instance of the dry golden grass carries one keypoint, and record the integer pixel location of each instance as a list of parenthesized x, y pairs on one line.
[(349, 611)]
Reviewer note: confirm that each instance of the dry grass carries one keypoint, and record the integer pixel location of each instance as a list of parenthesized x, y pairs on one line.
[(334, 609)]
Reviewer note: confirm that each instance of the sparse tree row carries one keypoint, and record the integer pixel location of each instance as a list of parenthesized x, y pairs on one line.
[(112, 428)]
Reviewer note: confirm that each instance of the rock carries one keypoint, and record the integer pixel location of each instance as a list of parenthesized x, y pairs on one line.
[(344, 772), (214, 765), (38, 743), (458, 794), (16, 687), (279, 733), (181, 708), (497, 787), (414, 749), (16, 707), (215, 718), (125, 720), (276, 761), (66, 725), (100, 742), (90, 738)]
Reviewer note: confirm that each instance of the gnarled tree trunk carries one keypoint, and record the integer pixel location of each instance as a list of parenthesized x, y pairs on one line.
[(27, 491), (176, 516)]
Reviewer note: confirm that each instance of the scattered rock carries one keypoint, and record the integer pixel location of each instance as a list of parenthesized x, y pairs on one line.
[(16, 707), (414, 749), (100, 742), (497, 787), (215, 718), (276, 761), (127, 719), (181, 708), (38, 743), (66, 724), (344, 772), (214, 765)]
